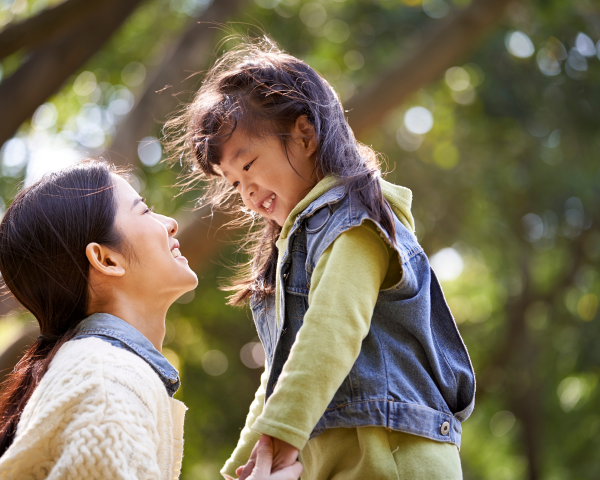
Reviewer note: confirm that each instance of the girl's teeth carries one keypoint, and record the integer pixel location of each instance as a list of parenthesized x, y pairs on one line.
[(176, 253), (268, 203)]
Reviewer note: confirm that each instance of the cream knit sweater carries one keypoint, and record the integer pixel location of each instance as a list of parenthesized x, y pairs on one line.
[(100, 412)]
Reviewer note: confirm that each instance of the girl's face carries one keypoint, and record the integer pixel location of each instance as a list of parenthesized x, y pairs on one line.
[(156, 268), (259, 169)]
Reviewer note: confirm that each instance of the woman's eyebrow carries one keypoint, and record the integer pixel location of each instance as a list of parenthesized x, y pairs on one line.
[(138, 200)]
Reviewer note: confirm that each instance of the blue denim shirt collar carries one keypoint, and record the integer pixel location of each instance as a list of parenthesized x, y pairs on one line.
[(113, 328)]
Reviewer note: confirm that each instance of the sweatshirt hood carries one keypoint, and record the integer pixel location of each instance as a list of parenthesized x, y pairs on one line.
[(400, 199)]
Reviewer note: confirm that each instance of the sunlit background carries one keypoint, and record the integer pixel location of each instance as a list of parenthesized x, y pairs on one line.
[(500, 148)]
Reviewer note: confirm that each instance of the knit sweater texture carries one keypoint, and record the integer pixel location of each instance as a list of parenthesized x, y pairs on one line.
[(100, 412)]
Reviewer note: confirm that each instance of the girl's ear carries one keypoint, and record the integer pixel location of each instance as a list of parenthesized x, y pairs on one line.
[(306, 134), (104, 260)]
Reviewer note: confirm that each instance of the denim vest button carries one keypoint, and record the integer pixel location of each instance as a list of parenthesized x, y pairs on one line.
[(445, 428), (173, 380)]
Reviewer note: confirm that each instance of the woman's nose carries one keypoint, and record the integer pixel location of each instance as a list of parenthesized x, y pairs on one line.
[(171, 225)]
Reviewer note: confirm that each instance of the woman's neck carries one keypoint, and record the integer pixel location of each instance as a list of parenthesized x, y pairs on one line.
[(147, 318)]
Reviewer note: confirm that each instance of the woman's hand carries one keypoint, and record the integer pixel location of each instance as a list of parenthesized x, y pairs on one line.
[(263, 466)]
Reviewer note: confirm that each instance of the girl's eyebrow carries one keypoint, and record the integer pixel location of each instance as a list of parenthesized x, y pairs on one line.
[(241, 151)]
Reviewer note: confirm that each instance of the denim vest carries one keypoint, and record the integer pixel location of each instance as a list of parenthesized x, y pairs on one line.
[(413, 373), (120, 334)]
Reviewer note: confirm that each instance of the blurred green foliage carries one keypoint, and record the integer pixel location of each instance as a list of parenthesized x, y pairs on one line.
[(502, 160)]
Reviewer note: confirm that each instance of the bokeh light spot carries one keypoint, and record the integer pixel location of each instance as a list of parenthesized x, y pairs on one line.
[(447, 264), (502, 423), (519, 44), (436, 8), (214, 362), (337, 31), (354, 60), (587, 307), (585, 45), (172, 357), (458, 78), (569, 392), (548, 63), (418, 120), (84, 84), (313, 14), (253, 355), (149, 151), (445, 155), (14, 156), (44, 117), (133, 74)]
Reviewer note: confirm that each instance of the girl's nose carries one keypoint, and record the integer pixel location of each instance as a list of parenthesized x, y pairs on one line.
[(248, 189)]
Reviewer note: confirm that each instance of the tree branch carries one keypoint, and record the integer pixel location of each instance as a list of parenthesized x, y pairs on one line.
[(189, 56), (51, 65), (445, 45), (45, 25)]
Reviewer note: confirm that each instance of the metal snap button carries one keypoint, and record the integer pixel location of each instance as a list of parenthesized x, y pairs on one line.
[(173, 380), (445, 428)]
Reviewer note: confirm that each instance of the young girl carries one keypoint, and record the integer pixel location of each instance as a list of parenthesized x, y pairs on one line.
[(92, 397), (366, 374)]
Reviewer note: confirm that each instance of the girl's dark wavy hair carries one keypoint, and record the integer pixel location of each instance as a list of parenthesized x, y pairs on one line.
[(261, 90), (43, 238)]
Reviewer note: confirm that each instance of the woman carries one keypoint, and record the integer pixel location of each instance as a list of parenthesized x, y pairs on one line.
[(92, 397)]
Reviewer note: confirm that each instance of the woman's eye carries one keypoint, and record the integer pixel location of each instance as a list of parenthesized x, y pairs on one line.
[(247, 166), (235, 184), (149, 209)]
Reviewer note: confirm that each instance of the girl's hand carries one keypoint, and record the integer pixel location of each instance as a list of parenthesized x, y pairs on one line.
[(284, 455), (261, 465)]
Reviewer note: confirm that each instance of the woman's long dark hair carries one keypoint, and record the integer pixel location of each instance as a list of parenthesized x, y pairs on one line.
[(43, 239), (261, 90)]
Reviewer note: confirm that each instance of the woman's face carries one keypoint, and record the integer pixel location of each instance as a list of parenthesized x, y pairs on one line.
[(155, 267)]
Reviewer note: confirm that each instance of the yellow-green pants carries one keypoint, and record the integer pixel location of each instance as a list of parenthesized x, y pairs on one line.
[(375, 453)]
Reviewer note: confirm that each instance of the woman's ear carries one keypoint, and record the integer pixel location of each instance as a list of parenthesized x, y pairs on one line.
[(104, 260), (305, 132)]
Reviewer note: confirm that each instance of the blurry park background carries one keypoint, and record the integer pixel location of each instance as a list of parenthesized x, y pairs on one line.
[(487, 109)]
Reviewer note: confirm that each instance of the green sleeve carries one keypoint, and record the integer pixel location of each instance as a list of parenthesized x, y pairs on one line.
[(248, 437), (343, 292)]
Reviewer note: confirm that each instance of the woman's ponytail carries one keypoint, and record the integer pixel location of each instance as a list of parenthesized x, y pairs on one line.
[(22, 381), (43, 238)]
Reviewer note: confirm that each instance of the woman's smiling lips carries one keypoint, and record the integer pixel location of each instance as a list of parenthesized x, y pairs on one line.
[(175, 250)]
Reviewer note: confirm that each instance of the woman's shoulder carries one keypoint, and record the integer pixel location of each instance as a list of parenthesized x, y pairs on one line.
[(90, 376), (91, 357), (91, 367)]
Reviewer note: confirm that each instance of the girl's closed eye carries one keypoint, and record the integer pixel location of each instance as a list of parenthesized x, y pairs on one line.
[(148, 210), (247, 166)]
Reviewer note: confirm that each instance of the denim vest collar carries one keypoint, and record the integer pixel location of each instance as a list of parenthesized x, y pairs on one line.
[(121, 334), (330, 197)]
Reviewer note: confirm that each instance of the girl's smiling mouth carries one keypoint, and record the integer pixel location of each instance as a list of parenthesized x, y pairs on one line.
[(269, 203)]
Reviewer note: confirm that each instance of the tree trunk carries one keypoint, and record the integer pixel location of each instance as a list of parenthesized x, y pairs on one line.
[(44, 72), (45, 25)]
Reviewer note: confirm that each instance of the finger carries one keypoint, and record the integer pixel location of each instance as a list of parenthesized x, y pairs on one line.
[(239, 470), (264, 456), (247, 470)]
